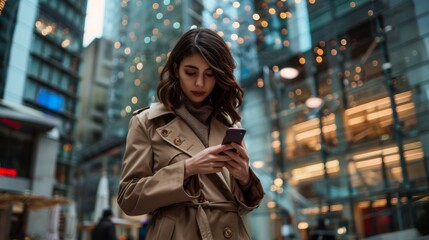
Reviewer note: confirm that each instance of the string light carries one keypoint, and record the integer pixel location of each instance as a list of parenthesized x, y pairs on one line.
[(2, 5), (260, 25)]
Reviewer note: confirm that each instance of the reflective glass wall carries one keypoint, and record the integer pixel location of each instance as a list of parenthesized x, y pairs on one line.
[(349, 131)]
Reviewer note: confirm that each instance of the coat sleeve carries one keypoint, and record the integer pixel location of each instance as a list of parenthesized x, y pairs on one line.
[(249, 196), (140, 189)]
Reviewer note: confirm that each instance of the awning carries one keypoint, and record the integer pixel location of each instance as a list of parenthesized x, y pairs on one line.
[(30, 202), (26, 117)]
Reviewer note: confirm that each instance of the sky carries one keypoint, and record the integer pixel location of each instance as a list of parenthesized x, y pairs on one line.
[(94, 21)]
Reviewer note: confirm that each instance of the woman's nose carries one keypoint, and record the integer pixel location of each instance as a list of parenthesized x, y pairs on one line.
[(200, 80)]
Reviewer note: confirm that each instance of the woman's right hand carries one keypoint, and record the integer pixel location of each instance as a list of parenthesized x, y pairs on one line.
[(209, 160)]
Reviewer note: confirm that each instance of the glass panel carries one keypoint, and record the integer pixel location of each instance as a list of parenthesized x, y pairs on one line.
[(62, 8), (313, 172), (408, 56), (66, 60), (69, 105), (37, 45), (55, 78), (303, 138), (65, 81), (62, 172), (47, 51), (34, 67), (107, 72), (319, 14), (45, 73), (366, 167), (416, 169), (373, 119), (100, 98), (30, 90)]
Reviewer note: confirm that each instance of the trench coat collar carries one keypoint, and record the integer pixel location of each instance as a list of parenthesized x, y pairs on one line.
[(158, 109), (173, 133)]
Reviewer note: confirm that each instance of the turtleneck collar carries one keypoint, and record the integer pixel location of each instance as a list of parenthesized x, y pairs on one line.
[(197, 118)]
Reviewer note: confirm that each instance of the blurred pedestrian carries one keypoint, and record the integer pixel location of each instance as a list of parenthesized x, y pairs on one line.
[(174, 163), (322, 232), (105, 228), (144, 227), (422, 221)]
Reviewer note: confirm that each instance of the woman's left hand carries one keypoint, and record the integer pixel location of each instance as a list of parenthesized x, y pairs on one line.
[(239, 165)]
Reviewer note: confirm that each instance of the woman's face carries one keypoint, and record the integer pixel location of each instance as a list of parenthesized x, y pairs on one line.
[(196, 78)]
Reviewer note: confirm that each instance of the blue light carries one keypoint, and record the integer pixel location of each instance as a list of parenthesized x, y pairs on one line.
[(50, 99)]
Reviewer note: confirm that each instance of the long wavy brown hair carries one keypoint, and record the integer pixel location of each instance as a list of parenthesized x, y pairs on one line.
[(226, 96)]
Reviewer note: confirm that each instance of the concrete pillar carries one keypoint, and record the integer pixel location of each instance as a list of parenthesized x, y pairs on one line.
[(20, 51), (46, 149)]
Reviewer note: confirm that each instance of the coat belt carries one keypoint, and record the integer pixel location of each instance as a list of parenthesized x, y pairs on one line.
[(201, 216)]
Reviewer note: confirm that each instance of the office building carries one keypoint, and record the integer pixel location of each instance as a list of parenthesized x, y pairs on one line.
[(94, 91), (41, 42)]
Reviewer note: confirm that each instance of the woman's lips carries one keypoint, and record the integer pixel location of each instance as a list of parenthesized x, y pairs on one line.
[(199, 94)]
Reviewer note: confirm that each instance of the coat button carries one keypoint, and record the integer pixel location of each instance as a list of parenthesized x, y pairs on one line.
[(164, 132), (177, 141), (227, 232), (201, 199)]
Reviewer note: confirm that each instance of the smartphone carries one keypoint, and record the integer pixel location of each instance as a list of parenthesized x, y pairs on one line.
[(234, 135)]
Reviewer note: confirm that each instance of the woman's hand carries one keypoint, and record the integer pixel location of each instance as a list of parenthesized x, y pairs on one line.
[(238, 166), (210, 160)]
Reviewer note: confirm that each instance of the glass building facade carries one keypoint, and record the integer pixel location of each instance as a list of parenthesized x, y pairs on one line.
[(358, 158), (345, 139), (52, 75)]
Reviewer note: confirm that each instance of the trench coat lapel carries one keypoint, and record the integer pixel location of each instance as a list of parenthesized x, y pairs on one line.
[(180, 135), (176, 132)]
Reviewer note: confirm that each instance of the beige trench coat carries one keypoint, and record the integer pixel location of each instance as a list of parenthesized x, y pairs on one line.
[(202, 207)]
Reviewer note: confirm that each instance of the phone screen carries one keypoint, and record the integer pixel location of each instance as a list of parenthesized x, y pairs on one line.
[(234, 135)]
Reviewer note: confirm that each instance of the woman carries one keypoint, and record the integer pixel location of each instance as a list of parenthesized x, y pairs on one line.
[(174, 166)]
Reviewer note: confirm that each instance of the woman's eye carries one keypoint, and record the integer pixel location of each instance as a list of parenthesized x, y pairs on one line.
[(209, 74), (190, 73)]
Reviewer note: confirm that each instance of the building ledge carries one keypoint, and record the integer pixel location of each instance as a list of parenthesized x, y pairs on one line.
[(25, 118)]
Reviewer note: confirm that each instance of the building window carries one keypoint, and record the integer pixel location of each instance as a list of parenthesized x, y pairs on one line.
[(65, 81), (303, 138), (34, 68), (45, 74), (50, 99), (16, 149), (67, 60), (37, 45), (365, 167), (374, 120), (30, 90), (62, 172), (55, 78)]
